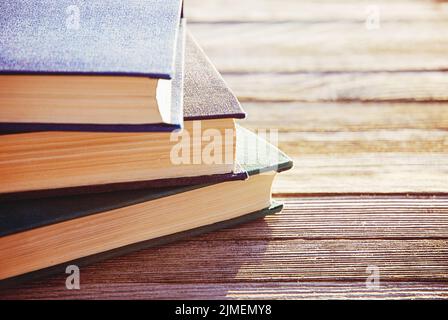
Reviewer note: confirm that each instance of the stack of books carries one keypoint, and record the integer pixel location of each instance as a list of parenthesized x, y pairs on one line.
[(116, 134)]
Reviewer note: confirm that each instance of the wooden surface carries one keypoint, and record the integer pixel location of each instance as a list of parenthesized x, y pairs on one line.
[(364, 115)]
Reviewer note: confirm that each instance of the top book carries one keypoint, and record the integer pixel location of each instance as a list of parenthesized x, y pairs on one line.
[(71, 49), (107, 37)]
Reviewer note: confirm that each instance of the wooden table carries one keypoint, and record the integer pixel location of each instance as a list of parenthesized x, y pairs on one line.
[(364, 113)]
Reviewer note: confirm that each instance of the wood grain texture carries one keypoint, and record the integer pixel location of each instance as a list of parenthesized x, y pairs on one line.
[(342, 87), (335, 46), (327, 36), (316, 248), (365, 173), (279, 260), (356, 148), (238, 290), (349, 217), (360, 111), (271, 11), (338, 117)]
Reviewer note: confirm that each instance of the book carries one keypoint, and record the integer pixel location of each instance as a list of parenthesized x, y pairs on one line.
[(41, 236), (37, 164), (91, 65)]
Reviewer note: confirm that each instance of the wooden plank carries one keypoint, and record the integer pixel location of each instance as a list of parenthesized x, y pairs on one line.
[(279, 265), (343, 87), (314, 129), (346, 117), (311, 10), (324, 47), (268, 290), (287, 260), (271, 260), (358, 148), (365, 173), (348, 217)]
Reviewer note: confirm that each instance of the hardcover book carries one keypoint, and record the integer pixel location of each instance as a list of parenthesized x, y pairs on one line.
[(118, 222), (91, 65), (49, 163)]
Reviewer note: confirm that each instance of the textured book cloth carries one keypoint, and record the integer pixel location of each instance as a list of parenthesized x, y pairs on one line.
[(255, 154), (136, 38), (217, 99)]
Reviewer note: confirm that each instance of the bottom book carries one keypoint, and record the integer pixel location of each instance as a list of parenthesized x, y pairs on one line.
[(42, 236)]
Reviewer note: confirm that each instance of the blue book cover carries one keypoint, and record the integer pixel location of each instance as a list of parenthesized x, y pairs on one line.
[(137, 39), (134, 37)]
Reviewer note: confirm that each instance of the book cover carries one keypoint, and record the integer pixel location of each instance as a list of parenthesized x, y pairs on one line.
[(217, 101), (98, 37), (138, 58)]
